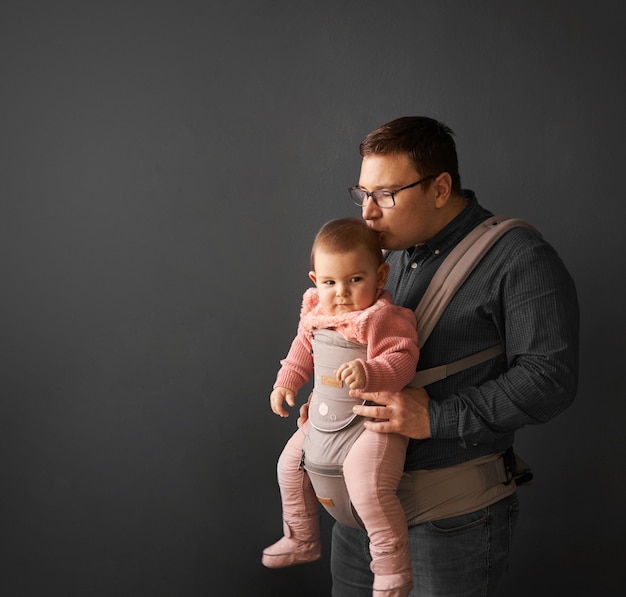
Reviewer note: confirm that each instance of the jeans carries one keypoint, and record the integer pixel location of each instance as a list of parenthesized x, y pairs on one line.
[(462, 556)]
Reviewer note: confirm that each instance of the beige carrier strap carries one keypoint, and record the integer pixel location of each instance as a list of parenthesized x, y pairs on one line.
[(428, 376), (455, 490), (450, 275)]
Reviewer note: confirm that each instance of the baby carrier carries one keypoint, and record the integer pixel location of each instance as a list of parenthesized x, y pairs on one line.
[(333, 427)]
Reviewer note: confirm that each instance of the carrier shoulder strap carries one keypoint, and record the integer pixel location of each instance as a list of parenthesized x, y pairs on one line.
[(449, 277)]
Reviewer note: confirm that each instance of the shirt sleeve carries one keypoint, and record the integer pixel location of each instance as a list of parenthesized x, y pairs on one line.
[(536, 311)]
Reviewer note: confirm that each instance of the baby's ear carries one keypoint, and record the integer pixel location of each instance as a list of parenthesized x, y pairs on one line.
[(383, 274), (313, 277)]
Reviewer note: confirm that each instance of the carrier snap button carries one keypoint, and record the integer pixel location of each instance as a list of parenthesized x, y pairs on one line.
[(323, 409)]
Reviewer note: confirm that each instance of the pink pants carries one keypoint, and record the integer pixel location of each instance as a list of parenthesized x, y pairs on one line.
[(372, 471)]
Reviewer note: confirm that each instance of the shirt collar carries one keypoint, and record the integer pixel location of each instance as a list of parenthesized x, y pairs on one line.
[(453, 232)]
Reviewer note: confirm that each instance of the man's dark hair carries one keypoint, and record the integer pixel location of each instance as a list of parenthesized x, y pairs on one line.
[(428, 143)]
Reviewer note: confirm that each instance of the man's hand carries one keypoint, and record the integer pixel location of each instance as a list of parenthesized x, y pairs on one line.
[(404, 412), (304, 413)]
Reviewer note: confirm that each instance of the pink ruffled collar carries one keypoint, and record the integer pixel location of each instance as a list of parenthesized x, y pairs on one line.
[(352, 325)]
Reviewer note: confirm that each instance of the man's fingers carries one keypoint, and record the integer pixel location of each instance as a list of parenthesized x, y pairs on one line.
[(377, 397), (373, 412), (304, 414), (379, 426)]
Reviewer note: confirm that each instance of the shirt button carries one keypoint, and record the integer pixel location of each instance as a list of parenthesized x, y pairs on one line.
[(413, 265), (437, 251)]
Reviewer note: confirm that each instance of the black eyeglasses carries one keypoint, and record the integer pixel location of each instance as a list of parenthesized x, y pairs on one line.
[(382, 198)]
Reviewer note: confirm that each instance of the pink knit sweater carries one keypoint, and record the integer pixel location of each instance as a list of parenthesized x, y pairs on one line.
[(387, 330)]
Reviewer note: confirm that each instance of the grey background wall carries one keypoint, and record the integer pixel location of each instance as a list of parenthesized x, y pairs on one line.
[(164, 166)]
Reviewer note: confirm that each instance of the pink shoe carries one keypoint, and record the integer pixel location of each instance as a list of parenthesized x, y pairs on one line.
[(289, 552)]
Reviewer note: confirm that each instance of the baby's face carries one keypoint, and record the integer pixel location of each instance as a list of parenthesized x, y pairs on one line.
[(347, 281)]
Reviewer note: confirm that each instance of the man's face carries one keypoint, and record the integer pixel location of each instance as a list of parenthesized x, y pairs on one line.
[(413, 219)]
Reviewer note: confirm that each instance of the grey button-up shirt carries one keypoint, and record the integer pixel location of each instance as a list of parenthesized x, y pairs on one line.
[(519, 295)]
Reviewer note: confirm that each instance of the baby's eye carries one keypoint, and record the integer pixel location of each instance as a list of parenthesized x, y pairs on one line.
[(329, 282), (356, 279)]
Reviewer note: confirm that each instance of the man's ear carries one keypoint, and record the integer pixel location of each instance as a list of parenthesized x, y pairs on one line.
[(383, 274), (313, 277), (443, 189)]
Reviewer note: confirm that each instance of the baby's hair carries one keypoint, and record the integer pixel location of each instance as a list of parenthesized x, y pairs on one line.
[(347, 234)]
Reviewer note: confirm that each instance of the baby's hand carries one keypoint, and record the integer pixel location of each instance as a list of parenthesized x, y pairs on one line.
[(352, 374), (278, 397)]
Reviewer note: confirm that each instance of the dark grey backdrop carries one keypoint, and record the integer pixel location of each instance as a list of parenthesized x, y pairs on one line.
[(164, 166)]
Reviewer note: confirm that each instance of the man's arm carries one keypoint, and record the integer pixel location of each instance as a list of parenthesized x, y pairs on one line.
[(540, 324)]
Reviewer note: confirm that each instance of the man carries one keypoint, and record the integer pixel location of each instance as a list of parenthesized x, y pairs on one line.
[(464, 504)]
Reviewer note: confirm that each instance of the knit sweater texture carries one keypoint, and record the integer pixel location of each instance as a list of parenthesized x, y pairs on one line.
[(387, 330)]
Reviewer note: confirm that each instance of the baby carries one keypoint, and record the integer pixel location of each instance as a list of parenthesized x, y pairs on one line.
[(349, 274)]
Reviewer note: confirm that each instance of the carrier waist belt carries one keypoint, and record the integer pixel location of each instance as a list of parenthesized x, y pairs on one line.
[(455, 490)]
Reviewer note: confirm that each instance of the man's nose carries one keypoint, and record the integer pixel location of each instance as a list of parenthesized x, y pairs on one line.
[(370, 210)]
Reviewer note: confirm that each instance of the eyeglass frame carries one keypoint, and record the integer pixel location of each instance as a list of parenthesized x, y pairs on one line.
[(392, 194)]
